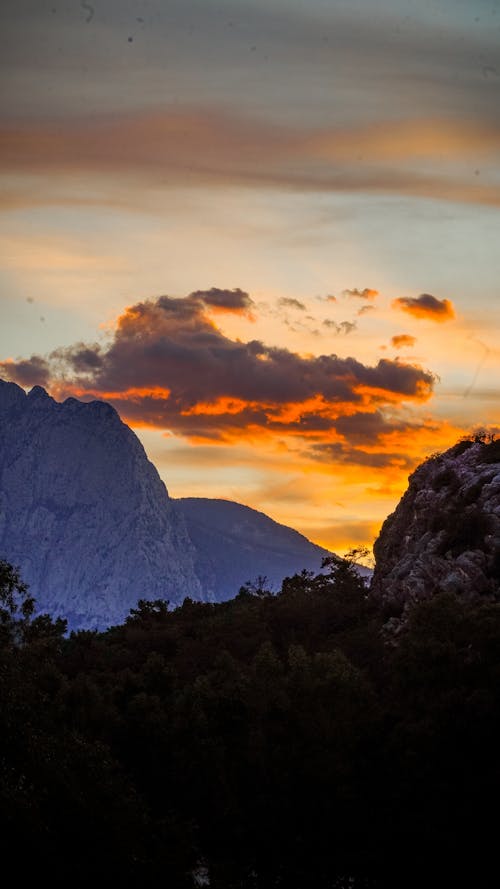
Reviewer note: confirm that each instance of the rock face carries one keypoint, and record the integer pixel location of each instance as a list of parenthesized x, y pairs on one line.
[(84, 513), (235, 544), (86, 517), (444, 535)]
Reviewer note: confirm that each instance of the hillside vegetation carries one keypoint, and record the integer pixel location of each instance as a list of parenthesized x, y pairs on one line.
[(290, 740)]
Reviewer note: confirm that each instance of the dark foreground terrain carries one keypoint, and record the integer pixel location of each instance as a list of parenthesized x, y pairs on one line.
[(304, 740)]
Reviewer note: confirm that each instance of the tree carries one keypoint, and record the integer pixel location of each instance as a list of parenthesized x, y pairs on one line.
[(16, 605)]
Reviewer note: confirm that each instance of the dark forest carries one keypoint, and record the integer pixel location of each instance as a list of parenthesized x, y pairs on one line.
[(309, 739)]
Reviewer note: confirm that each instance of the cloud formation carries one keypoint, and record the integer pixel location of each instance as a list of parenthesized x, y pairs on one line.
[(192, 146), (337, 452), (425, 306), (168, 366), (34, 371), (344, 327), (289, 303), (403, 340), (366, 293), (236, 301)]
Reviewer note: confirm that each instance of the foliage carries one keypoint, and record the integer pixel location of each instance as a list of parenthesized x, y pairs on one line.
[(491, 452), (273, 740), (16, 606)]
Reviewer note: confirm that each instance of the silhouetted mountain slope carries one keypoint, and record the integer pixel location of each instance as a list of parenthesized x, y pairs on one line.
[(444, 535), (235, 544)]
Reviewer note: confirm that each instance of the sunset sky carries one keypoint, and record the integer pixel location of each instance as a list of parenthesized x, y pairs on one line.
[(267, 231)]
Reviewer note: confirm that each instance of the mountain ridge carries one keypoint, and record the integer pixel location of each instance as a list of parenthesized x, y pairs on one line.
[(81, 508), (225, 523), (86, 516)]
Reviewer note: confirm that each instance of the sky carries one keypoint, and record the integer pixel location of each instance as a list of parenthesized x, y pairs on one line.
[(266, 232)]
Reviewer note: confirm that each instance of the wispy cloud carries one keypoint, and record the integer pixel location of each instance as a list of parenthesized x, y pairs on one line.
[(193, 147), (366, 293), (289, 303), (344, 327)]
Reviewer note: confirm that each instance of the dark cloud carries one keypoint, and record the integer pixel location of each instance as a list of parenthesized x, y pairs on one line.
[(169, 366), (372, 439), (289, 303), (226, 300), (366, 293), (344, 327), (366, 428), (400, 378), (27, 371), (402, 340), (337, 452), (81, 358), (426, 306)]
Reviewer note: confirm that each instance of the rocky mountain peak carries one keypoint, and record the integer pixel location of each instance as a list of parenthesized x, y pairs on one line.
[(444, 535), (86, 517), (84, 512), (11, 395), (38, 393)]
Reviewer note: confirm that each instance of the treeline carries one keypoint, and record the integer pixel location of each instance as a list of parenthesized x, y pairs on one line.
[(292, 740)]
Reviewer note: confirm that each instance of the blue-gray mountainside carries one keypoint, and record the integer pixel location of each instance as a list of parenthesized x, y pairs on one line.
[(85, 515)]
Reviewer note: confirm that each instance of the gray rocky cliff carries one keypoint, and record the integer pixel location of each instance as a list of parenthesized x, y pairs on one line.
[(444, 536), (84, 513)]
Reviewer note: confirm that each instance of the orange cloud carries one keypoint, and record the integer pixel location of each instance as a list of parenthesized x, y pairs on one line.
[(425, 306), (397, 140), (402, 340), (219, 408), (168, 366)]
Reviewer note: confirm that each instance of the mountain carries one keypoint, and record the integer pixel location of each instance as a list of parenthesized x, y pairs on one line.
[(235, 544), (85, 515), (444, 536)]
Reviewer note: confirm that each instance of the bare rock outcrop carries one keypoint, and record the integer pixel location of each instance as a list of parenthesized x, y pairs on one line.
[(444, 535)]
